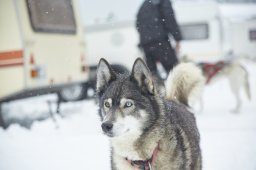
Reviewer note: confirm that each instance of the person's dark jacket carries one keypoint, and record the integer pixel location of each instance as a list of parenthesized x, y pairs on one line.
[(155, 21)]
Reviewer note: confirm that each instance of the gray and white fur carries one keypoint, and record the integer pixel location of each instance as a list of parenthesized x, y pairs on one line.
[(137, 118)]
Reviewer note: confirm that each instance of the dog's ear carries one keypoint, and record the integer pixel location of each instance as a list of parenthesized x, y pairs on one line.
[(142, 76), (105, 75)]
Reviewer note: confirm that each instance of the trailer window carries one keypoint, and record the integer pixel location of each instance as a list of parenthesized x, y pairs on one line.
[(54, 16), (252, 35), (199, 31)]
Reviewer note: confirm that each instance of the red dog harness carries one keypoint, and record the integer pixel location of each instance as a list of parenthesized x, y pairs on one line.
[(210, 70), (145, 164)]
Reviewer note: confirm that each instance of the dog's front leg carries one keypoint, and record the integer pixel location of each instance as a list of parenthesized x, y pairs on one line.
[(235, 86)]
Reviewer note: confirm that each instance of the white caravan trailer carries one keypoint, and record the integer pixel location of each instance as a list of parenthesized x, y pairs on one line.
[(243, 45), (42, 47), (200, 28), (239, 26)]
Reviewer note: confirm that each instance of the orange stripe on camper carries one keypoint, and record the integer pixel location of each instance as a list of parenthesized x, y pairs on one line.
[(11, 58)]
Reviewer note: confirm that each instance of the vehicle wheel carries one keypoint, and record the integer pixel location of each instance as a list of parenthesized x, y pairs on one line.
[(73, 93), (2, 124)]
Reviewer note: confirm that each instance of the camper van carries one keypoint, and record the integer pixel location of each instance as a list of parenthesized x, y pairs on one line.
[(42, 48)]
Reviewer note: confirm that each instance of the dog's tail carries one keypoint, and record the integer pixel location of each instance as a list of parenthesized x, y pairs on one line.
[(184, 83)]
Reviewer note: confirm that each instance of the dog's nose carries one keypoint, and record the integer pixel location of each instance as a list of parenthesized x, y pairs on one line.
[(107, 126)]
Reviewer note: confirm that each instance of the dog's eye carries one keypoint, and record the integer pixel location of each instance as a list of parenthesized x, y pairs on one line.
[(128, 104), (107, 104)]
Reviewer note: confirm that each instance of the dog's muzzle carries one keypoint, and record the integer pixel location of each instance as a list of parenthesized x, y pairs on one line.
[(107, 127)]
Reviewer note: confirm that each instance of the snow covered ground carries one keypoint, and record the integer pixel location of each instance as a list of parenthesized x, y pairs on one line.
[(228, 140)]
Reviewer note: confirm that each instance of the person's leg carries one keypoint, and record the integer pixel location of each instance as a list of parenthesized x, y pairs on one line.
[(150, 60), (168, 57)]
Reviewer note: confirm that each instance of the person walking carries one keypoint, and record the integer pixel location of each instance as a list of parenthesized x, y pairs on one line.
[(156, 23)]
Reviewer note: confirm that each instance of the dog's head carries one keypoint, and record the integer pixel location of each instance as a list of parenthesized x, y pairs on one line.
[(126, 101)]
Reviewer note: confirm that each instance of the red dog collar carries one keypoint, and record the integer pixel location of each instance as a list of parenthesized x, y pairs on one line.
[(145, 164)]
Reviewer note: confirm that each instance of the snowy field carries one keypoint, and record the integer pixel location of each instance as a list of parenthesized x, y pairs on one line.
[(75, 142)]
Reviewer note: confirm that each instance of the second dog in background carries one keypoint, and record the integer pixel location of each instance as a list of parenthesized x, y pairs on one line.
[(236, 74)]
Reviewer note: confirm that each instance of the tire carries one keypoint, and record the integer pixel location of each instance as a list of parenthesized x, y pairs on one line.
[(73, 93), (86, 90), (2, 124)]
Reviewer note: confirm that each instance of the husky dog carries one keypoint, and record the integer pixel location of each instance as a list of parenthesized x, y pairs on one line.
[(148, 130)]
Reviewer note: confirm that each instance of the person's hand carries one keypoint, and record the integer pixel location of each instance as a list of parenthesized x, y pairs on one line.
[(177, 48)]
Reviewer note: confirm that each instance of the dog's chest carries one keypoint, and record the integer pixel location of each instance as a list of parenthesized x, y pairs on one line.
[(126, 149), (162, 161), (121, 164)]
